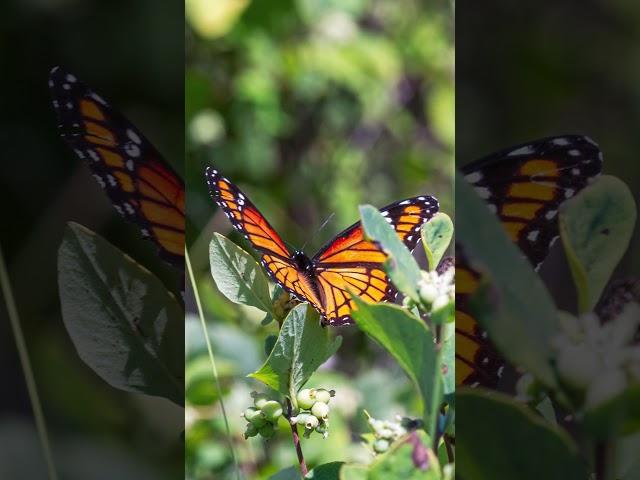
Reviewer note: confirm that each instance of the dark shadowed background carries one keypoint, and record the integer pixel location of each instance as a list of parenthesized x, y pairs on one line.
[(132, 53)]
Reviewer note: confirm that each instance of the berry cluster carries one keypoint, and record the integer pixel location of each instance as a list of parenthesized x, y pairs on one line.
[(263, 417), (385, 432), (314, 410)]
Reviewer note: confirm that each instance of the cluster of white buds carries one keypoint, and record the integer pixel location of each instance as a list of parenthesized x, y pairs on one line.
[(385, 432), (314, 410), (263, 417), (437, 290), (599, 360)]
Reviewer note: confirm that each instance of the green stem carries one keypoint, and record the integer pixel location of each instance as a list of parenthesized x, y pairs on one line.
[(436, 390), (212, 360), (21, 346)]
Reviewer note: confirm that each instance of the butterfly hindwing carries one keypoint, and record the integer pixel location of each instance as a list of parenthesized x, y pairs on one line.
[(141, 185), (525, 186)]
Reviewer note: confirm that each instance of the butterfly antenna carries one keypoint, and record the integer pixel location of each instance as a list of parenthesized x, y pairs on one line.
[(324, 224)]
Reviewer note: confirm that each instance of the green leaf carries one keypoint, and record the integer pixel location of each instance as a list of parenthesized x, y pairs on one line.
[(302, 346), (618, 416), (122, 320), (501, 438), (237, 275), (448, 358), (436, 237), (409, 341), (596, 227), (517, 312), (327, 471), (401, 266)]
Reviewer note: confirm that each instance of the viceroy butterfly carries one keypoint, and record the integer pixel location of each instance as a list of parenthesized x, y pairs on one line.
[(141, 185), (347, 262), (524, 185)]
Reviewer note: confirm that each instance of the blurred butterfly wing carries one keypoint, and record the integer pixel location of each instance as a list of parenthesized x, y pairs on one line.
[(141, 185), (349, 262), (248, 220), (525, 186)]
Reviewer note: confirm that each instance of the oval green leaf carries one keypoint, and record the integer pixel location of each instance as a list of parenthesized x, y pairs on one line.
[(501, 438), (302, 346), (410, 342), (436, 237), (124, 323), (596, 227), (237, 275)]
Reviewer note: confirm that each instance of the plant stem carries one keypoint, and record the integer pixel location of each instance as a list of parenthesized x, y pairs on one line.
[(436, 391), (296, 443), (212, 360), (296, 440), (21, 346)]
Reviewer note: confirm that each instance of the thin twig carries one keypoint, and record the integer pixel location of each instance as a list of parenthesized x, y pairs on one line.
[(296, 439), (212, 360), (32, 389)]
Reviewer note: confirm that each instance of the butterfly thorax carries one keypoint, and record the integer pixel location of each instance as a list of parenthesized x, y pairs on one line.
[(303, 263)]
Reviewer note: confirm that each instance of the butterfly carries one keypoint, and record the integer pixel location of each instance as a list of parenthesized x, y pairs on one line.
[(347, 263), (141, 185), (524, 185)]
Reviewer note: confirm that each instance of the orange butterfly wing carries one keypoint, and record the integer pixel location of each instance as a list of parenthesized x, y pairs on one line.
[(525, 186), (141, 185), (351, 263)]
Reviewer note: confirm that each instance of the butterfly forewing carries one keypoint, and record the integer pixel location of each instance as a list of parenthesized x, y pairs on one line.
[(525, 186), (141, 185)]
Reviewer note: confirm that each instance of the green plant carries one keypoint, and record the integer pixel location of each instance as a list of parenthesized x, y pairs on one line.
[(419, 336), (580, 366)]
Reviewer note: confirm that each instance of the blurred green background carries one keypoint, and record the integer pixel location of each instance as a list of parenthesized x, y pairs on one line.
[(312, 107), (532, 69), (132, 53)]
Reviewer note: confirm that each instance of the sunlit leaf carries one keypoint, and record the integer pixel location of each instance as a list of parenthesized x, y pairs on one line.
[(401, 266), (302, 346), (237, 275), (408, 340)]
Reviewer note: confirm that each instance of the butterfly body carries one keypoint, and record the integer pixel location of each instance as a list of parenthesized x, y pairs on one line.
[(347, 265)]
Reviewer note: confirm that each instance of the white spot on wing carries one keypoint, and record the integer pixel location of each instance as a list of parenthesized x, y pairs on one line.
[(521, 151), (133, 136), (474, 177), (483, 192), (132, 149)]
